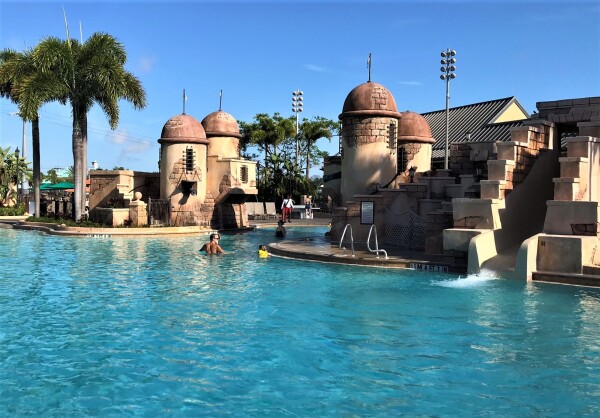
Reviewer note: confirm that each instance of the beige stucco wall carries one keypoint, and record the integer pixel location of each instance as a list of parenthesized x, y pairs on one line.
[(422, 159), (366, 157), (332, 169), (108, 184), (172, 172), (224, 146), (225, 173), (561, 215), (364, 167), (565, 254)]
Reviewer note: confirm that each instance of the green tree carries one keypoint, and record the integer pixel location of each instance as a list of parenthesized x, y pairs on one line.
[(82, 75), (16, 71), (11, 170), (310, 132), (52, 176), (276, 137)]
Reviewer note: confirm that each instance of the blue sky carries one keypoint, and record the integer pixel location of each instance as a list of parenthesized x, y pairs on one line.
[(259, 52)]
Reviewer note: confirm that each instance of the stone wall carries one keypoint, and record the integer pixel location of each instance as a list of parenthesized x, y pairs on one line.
[(465, 157), (361, 131)]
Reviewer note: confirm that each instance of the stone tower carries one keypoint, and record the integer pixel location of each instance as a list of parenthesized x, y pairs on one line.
[(223, 134), (369, 139), (183, 151), (414, 143)]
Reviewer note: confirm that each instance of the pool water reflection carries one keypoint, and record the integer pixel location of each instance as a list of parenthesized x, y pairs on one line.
[(152, 327)]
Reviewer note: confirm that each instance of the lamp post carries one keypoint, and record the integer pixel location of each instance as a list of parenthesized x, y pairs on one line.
[(447, 69), (17, 152), (25, 183), (297, 107), (411, 173)]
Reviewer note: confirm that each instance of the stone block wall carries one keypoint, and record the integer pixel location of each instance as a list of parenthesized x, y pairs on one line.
[(436, 223), (361, 131), (465, 157), (411, 149)]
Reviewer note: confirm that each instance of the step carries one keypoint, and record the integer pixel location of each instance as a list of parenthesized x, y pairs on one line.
[(493, 189), (576, 167), (591, 270), (523, 134), (508, 150), (567, 189), (579, 146), (447, 207), (500, 169), (566, 278)]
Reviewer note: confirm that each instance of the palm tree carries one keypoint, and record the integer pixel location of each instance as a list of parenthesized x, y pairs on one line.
[(312, 131), (15, 69), (268, 133), (82, 75)]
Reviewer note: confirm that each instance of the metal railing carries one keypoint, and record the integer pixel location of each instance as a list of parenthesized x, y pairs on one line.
[(376, 250), (351, 239)]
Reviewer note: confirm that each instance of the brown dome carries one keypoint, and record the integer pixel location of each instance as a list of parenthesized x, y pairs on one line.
[(221, 123), (370, 99), (414, 128), (183, 129)]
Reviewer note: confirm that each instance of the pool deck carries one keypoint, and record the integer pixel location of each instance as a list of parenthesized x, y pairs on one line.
[(320, 249)]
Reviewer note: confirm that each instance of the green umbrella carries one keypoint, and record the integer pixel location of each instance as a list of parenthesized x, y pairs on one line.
[(58, 186)]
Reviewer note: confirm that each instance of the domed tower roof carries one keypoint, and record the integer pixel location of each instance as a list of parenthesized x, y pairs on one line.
[(183, 129), (370, 99), (414, 128), (221, 123)]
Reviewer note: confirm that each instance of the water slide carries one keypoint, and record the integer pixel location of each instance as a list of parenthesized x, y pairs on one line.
[(524, 213)]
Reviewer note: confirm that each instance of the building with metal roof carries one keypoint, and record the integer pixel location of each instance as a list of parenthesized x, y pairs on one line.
[(489, 121)]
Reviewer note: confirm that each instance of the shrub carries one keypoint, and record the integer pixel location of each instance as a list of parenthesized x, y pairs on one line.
[(114, 203), (67, 222), (12, 211)]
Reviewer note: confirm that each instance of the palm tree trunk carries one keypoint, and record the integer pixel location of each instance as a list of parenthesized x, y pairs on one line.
[(78, 178), (307, 158), (35, 140), (84, 145)]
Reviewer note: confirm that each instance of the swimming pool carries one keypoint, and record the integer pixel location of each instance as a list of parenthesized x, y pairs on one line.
[(150, 327)]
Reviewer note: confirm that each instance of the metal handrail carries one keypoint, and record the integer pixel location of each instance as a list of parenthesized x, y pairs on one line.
[(351, 239), (376, 250)]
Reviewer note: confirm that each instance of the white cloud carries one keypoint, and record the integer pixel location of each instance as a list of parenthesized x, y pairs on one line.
[(146, 64), (316, 68), (410, 83)]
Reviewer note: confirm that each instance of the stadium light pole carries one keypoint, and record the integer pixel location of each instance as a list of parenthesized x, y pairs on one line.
[(17, 157), (448, 69), (297, 107)]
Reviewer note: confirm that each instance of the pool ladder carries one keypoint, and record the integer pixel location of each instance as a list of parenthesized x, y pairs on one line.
[(376, 250), (351, 239)]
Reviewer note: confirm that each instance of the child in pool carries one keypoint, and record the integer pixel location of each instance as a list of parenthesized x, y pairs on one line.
[(262, 251)]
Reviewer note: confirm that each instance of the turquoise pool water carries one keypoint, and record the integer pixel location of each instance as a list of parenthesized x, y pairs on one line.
[(150, 327)]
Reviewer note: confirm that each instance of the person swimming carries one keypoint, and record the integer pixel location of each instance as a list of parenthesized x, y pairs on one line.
[(262, 251)]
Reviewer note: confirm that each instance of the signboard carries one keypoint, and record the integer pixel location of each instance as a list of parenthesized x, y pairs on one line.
[(429, 267), (366, 213)]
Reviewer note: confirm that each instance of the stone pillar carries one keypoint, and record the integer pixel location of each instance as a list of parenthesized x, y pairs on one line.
[(138, 212)]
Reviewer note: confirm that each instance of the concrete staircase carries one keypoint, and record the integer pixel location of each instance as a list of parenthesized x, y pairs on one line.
[(489, 213)]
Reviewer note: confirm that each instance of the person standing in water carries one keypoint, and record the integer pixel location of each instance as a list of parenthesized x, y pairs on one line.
[(280, 232), (213, 246)]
